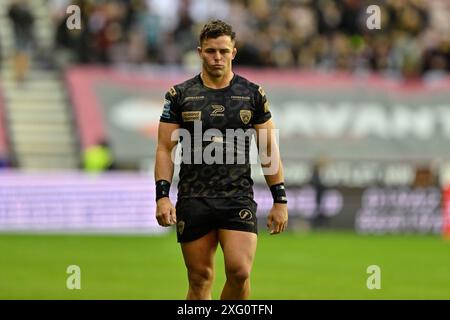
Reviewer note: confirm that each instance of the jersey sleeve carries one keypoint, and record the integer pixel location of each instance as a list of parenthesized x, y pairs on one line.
[(262, 111), (171, 111)]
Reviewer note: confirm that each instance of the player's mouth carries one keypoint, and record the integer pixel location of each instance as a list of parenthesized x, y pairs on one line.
[(218, 66)]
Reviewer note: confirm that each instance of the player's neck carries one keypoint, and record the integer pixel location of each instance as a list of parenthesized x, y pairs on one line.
[(216, 82)]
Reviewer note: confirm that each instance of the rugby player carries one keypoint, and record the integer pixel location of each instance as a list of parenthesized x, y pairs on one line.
[(215, 200)]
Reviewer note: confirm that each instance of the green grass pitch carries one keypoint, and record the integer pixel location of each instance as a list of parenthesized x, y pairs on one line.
[(315, 265)]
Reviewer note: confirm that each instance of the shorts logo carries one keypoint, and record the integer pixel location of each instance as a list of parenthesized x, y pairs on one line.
[(191, 116), (245, 214), (246, 116), (217, 110), (180, 227)]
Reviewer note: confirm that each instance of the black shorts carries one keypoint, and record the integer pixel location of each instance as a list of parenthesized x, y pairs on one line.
[(198, 216)]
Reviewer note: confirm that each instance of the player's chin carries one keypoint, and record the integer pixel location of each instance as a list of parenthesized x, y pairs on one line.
[(217, 72)]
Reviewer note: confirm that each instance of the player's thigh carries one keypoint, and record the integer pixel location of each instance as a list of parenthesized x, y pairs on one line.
[(239, 249), (199, 254)]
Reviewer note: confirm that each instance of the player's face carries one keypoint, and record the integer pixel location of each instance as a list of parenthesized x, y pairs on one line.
[(217, 55)]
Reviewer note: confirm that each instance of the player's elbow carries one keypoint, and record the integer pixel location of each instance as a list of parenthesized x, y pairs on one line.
[(165, 147)]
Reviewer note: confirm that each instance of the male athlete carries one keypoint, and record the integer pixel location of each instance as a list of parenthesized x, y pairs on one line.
[(215, 199)]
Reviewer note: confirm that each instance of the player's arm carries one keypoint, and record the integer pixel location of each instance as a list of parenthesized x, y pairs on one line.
[(167, 140), (164, 167), (273, 172)]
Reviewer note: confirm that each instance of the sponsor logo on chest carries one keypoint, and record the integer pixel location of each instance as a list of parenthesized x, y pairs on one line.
[(217, 110), (189, 116)]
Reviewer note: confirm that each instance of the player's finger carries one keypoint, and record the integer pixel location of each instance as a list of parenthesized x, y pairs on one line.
[(169, 218), (165, 219), (282, 226), (275, 228), (160, 220), (279, 227), (173, 216), (269, 223), (272, 228)]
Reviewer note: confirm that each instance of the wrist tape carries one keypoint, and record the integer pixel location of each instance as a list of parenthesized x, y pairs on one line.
[(278, 193), (162, 189)]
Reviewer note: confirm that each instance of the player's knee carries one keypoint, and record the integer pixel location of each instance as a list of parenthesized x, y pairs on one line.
[(238, 274), (200, 277)]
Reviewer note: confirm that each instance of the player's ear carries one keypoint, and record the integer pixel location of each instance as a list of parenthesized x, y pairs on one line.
[(199, 51), (234, 53)]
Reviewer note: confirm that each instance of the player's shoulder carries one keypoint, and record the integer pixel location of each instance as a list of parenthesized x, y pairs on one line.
[(180, 88), (252, 86)]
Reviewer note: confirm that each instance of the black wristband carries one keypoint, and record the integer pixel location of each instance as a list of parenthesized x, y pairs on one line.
[(278, 193), (162, 189)]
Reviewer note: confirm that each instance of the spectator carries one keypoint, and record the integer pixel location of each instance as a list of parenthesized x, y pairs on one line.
[(322, 34), (98, 158), (22, 21), (319, 219)]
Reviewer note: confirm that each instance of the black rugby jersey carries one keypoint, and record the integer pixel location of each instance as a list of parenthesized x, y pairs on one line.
[(216, 125)]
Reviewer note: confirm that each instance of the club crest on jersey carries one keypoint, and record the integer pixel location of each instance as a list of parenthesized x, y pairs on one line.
[(246, 116)]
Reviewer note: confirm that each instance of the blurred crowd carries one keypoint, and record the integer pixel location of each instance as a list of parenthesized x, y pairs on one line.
[(322, 34)]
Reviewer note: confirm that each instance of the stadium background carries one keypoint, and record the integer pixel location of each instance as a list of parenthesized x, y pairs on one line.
[(364, 118)]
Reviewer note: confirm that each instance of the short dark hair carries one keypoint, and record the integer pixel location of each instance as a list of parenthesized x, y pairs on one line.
[(215, 29)]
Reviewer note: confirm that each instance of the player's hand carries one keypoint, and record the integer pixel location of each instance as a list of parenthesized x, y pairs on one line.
[(165, 212), (278, 218)]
